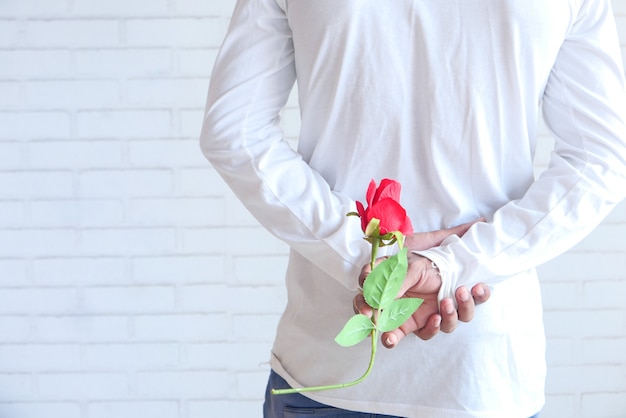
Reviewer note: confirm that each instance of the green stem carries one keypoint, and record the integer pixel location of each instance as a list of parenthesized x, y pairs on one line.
[(375, 246), (374, 337)]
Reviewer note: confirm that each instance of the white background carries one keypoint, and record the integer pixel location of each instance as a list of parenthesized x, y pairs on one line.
[(132, 282)]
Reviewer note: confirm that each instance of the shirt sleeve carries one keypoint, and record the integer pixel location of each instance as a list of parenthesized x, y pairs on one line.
[(584, 105), (251, 81)]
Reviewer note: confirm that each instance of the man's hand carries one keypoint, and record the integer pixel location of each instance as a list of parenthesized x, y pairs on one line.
[(423, 281)]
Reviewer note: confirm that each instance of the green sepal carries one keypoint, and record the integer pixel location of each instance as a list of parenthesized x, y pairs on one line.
[(373, 228), (358, 328), (383, 283), (397, 313)]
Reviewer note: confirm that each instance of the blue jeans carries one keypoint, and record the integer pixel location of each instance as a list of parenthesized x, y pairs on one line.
[(299, 406)]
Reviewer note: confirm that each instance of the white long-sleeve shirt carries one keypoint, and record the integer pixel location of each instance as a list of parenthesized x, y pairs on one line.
[(443, 96)]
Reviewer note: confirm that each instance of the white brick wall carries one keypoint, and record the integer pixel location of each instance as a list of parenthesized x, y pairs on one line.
[(129, 274)]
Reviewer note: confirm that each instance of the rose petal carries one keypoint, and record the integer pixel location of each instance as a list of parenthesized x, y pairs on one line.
[(388, 189), (392, 216)]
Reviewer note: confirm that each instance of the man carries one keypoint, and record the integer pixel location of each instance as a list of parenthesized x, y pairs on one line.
[(443, 96)]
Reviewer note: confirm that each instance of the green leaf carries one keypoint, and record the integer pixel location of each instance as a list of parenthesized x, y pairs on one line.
[(384, 282), (358, 328), (397, 313)]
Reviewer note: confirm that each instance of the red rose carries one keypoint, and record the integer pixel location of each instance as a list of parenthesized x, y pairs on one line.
[(383, 203)]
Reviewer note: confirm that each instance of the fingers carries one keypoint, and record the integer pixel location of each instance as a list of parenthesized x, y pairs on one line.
[(429, 330), (481, 293), (446, 321), (467, 301), (465, 304), (449, 315), (361, 307)]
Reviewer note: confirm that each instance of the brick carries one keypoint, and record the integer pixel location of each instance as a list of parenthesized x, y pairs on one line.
[(64, 329), (123, 357), (15, 329), (205, 384), (133, 299), (15, 387), (608, 405), (265, 270), (567, 379), (605, 294), (584, 266), (130, 241), (40, 409), (81, 386), (561, 295), (196, 61), (71, 94), (115, 183), (202, 182), (178, 211), (10, 96), (34, 125), (166, 328), (69, 271), (37, 242), (33, 301), (25, 63), (237, 214), (251, 385), (207, 8), (11, 213), (119, 8), (225, 408), (124, 124), (70, 33), (236, 241), (172, 269), (178, 153), (191, 123), (558, 406), (596, 323), (159, 93), (257, 328), (13, 272), (189, 32), (90, 213), (9, 34), (206, 298), (260, 300), (603, 350), (212, 356), (36, 184), (24, 8), (11, 155), (123, 62), (39, 358), (134, 409), (563, 351)]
